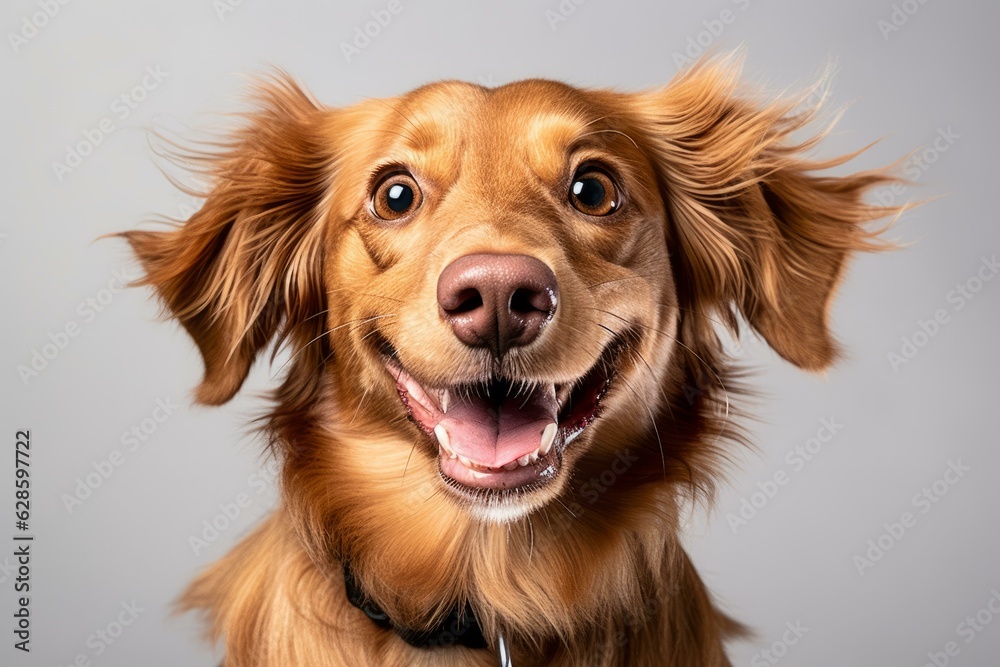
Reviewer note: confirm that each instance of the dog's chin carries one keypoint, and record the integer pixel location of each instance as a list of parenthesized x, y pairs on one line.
[(501, 443)]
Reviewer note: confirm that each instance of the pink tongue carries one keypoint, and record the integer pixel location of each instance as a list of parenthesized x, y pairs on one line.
[(493, 437)]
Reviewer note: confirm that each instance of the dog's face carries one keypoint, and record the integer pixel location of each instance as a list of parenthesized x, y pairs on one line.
[(494, 288), (499, 265)]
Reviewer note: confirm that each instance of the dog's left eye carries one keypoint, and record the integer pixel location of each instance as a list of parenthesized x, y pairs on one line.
[(593, 192), (396, 196)]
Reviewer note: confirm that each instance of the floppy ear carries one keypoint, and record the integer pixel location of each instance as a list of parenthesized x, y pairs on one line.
[(753, 227), (245, 268)]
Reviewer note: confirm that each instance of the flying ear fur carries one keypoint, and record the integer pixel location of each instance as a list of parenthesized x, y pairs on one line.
[(245, 268), (754, 227)]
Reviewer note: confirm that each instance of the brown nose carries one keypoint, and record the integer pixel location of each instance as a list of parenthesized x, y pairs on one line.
[(497, 301)]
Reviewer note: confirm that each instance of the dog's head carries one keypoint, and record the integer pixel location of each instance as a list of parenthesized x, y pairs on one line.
[(488, 289)]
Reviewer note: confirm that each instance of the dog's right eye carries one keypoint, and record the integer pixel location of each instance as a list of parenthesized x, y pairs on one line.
[(593, 192), (396, 197)]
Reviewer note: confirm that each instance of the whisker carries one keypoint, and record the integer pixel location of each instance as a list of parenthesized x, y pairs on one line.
[(354, 292), (652, 421), (326, 333), (617, 280), (668, 305), (360, 403), (405, 117), (408, 457), (676, 340), (387, 131), (355, 351), (645, 276), (558, 500), (322, 312), (531, 543), (596, 120), (610, 131)]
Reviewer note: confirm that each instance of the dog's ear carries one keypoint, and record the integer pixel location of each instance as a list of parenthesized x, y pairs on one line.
[(753, 226), (245, 268)]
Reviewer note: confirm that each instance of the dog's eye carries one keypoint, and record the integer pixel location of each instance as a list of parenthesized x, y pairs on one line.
[(594, 193), (396, 196)]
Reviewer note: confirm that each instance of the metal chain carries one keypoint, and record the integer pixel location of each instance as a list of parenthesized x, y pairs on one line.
[(503, 651)]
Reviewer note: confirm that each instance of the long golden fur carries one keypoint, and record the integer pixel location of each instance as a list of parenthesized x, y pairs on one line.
[(724, 217)]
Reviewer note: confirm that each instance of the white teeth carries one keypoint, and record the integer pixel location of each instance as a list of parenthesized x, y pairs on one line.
[(445, 399), (419, 395), (548, 437), (442, 436)]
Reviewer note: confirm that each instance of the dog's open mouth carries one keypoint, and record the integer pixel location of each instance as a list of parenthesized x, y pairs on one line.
[(502, 434)]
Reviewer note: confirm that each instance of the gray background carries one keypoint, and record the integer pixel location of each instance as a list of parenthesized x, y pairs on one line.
[(792, 562)]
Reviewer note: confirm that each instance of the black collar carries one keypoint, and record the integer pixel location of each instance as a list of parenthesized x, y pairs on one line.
[(459, 627)]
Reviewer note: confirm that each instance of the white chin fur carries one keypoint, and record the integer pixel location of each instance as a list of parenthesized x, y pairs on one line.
[(501, 510)]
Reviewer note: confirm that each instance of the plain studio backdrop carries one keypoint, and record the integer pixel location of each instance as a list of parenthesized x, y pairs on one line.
[(863, 531)]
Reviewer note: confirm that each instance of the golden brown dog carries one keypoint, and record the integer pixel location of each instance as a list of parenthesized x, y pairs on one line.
[(505, 376)]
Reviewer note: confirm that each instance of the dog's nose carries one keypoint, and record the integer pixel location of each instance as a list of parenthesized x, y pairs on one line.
[(497, 301)]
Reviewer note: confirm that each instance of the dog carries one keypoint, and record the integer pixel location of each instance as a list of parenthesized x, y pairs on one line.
[(504, 312)]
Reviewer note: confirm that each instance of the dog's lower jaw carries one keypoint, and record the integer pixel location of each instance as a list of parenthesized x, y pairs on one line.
[(498, 507), (502, 511), (301, 616)]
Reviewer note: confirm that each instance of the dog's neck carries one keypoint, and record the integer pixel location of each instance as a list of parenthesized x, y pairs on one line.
[(458, 628), (246, 590)]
